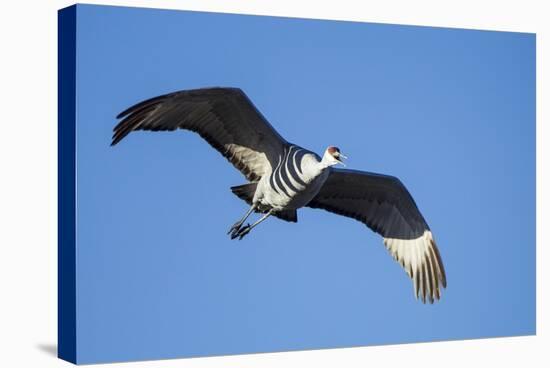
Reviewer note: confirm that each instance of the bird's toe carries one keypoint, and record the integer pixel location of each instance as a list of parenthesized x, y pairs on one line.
[(236, 226), (242, 232)]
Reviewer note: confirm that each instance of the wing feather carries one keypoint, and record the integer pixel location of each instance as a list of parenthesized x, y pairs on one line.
[(224, 117), (383, 203)]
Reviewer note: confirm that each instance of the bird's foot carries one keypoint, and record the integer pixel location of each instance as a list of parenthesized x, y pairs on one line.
[(245, 230), (240, 233), (235, 228)]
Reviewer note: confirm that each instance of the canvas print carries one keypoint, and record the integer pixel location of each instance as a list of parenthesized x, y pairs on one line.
[(235, 184)]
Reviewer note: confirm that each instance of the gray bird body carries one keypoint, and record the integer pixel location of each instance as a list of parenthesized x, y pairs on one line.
[(283, 177)]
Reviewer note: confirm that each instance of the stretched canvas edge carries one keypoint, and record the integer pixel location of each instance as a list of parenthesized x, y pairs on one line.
[(66, 331)]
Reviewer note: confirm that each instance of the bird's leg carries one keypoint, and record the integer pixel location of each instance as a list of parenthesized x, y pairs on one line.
[(237, 226), (246, 229)]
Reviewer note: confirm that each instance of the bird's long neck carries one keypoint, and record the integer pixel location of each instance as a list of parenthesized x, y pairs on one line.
[(315, 167), (325, 162)]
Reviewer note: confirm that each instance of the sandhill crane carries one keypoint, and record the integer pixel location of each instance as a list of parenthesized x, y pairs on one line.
[(283, 177)]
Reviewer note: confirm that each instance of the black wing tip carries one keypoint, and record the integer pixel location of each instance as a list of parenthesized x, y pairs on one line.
[(144, 103), (117, 137), (136, 114), (128, 110), (162, 97)]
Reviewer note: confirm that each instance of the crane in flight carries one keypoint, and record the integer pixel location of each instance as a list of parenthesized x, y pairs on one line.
[(284, 177)]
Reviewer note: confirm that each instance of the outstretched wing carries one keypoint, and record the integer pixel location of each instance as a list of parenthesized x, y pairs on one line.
[(383, 203), (224, 117)]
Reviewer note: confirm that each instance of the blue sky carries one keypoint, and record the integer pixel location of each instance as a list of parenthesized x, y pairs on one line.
[(449, 112)]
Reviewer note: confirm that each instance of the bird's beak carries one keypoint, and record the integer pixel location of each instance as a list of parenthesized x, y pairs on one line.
[(340, 157)]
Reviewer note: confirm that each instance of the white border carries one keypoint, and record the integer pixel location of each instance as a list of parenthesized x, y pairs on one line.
[(28, 194)]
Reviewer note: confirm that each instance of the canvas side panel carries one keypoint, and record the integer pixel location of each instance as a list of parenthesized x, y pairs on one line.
[(66, 332)]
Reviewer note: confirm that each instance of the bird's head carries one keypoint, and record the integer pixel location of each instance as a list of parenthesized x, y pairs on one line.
[(333, 156)]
